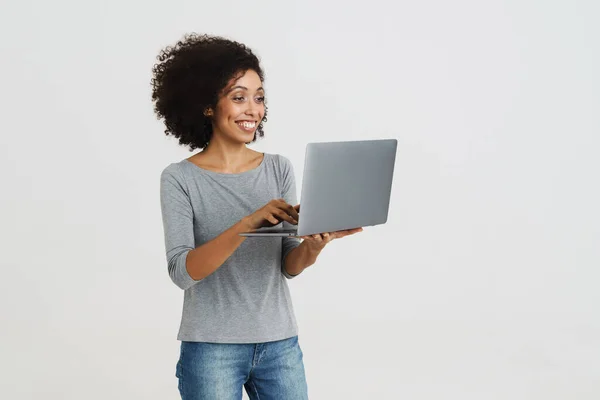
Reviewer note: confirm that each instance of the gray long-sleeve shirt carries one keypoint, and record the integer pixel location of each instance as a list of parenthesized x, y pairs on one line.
[(246, 300)]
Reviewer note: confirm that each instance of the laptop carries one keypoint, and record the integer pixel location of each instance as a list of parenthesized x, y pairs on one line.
[(345, 185)]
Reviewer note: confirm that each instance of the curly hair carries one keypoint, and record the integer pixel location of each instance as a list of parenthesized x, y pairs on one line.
[(190, 77)]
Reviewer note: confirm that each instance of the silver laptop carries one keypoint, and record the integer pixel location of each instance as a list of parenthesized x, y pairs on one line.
[(345, 185)]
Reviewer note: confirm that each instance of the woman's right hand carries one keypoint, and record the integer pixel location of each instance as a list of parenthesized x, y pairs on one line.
[(273, 213)]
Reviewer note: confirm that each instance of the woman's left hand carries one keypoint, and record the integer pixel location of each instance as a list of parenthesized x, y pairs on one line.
[(318, 241)]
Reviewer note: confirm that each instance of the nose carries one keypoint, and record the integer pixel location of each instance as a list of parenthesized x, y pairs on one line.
[(252, 109)]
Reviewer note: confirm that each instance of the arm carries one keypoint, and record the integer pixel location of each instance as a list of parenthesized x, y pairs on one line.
[(299, 258), (288, 193), (188, 264), (306, 254), (207, 258)]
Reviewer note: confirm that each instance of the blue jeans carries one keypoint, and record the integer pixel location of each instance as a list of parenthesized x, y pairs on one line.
[(268, 371)]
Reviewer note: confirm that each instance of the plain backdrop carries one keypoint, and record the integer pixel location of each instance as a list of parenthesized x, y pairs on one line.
[(484, 283)]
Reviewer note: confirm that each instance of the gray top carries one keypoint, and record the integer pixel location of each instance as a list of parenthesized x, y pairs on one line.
[(247, 299)]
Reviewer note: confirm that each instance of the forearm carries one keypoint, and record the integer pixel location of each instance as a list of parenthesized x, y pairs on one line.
[(300, 258), (207, 258)]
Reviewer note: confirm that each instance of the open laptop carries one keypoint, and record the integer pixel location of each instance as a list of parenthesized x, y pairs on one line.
[(345, 185)]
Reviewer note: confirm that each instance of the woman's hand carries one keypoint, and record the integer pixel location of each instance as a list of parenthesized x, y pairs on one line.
[(318, 241), (273, 213)]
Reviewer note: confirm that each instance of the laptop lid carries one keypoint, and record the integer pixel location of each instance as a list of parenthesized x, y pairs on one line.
[(346, 185)]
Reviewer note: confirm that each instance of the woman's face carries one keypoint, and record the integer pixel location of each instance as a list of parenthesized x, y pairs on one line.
[(240, 109)]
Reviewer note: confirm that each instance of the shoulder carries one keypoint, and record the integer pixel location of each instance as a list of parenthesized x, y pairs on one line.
[(282, 163), (172, 171), (284, 171), (174, 174)]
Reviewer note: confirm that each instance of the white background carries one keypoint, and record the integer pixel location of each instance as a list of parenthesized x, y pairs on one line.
[(484, 283)]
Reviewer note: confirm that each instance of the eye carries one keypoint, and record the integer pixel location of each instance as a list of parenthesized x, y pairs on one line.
[(238, 98), (260, 99)]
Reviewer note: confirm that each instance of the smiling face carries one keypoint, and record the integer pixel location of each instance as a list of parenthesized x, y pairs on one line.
[(240, 109)]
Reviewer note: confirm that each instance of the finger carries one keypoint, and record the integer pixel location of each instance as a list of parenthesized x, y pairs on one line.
[(351, 231), (328, 237), (288, 209), (341, 234), (285, 216), (297, 207), (337, 235), (292, 211)]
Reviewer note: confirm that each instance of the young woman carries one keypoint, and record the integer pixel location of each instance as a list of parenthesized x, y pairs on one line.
[(238, 327)]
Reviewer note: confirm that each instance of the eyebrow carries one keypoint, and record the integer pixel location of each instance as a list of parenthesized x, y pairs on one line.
[(243, 87)]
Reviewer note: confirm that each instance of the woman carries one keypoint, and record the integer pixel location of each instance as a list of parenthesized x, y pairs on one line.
[(238, 327)]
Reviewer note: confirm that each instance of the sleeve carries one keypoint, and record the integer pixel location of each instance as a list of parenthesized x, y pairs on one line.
[(178, 218), (288, 193)]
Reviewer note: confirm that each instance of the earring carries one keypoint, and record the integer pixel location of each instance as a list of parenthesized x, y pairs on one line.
[(207, 112)]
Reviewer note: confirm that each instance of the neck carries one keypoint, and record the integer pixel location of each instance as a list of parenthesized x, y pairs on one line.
[(228, 154)]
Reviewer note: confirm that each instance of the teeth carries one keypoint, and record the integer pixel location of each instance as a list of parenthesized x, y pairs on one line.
[(248, 125)]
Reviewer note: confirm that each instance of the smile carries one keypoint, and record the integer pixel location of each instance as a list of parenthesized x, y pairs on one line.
[(247, 125)]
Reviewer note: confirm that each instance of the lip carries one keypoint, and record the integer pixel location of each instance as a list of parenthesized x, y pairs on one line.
[(250, 130)]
